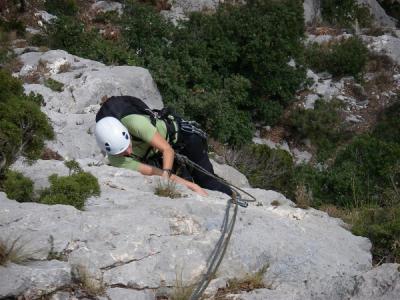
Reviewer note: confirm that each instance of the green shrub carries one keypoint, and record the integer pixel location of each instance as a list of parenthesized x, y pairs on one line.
[(323, 125), (362, 172), (266, 168), (18, 187), (54, 85), (346, 57), (70, 190), (382, 227), (388, 126), (13, 25), (61, 7), (23, 127), (345, 13), (145, 30), (70, 34), (198, 63), (73, 166), (236, 59)]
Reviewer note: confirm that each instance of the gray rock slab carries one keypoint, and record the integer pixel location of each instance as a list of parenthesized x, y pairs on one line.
[(195, 5), (230, 174), (137, 240), (378, 13), (382, 283), (72, 111), (312, 11), (34, 279), (128, 294), (106, 6), (385, 44)]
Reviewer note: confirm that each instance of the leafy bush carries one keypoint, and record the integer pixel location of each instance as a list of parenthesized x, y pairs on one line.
[(266, 168), (70, 190), (382, 227), (345, 13), (18, 187), (54, 85), (363, 170), (13, 25), (346, 57), (388, 127), (196, 64), (323, 125), (23, 127), (71, 34), (236, 59), (61, 7)]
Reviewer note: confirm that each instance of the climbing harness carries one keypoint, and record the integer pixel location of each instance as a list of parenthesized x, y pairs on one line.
[(228, 224), (192, 127)]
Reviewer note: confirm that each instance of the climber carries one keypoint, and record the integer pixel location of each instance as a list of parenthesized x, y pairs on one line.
[(138, 138)]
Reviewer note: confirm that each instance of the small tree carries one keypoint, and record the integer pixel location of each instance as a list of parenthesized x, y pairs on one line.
[(23, 127)]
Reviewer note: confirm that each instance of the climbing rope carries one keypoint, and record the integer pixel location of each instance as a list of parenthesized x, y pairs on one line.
[(228, 224)]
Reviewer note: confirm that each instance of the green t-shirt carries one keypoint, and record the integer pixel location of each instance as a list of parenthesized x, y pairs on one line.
[(139, 126)]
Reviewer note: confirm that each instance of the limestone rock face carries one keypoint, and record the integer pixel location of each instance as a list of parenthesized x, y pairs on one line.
[(85, 82), (130, 238), (378, 13), (34, 279), (380, 283), (312, 12), (135, 244), (385, 44), (230, 174), (106, 6)]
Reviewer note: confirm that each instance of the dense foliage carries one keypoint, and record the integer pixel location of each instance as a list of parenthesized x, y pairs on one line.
[(266, 168), (17, 186), (342, 58), (68, 33), (61, 7), (345, 13), (364, 178), (224, 69), (323, 125), (23, 127), (71, 190)]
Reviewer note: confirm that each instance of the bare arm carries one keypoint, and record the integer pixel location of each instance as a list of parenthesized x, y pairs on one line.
[(165, 148), (150, 170)]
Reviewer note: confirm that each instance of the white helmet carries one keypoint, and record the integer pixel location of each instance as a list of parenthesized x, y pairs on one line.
[(112, 136)]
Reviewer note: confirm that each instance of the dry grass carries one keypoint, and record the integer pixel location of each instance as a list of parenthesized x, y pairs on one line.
[(91, 286), (303, 196), (167, 188), (181, 291), (14, 65), (13, 251), (275, 203), (48, 154), (248, 283), (65, 67)]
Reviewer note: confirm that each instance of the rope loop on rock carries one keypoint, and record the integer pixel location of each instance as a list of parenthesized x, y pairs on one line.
[(228, 224)]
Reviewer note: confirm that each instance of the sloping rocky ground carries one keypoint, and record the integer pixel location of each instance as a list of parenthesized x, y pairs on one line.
[(131, 244)]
